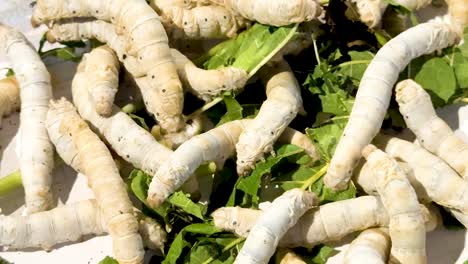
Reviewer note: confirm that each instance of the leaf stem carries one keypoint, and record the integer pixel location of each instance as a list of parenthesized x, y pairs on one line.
[(314, 42), (315, 177), (10, 183), (273, 52), (204, 107), (226, 248)]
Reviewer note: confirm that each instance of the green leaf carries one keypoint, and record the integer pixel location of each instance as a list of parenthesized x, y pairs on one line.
[(356, 67), (327, 136), (180, 200), (234, 110), (10, 72), (108, 260), (139, 184), (338, 103), (438, 77), (65, 53), (201, 253), (202, 228), (251, 184), (176, 249), (323, 254), (250, 49)]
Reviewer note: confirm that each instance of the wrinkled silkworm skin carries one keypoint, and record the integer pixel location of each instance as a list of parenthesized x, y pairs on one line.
[(276, 12), (68, 223), (145, 39), (431, 131), (217, 144), (370, 11), (207, 84), (104, 65), (194, 22), (34, 149), (406, 222), (277, 111), (9, 96), (271, 226), (329, 222), (292, 136), (48, 228), (214, 145), (375, 89), (62, 142), (438, 180), (370, 246), (286, 256), (130, 141), (97, 164)]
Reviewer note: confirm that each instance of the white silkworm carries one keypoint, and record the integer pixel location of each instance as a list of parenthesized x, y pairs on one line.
[(97, 164), (406, 222), (271, 226), (35, 151), (277, 111), (375, 89), (104, 65), (432, 132)]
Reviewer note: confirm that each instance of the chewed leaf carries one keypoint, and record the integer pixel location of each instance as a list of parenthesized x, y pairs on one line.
[(234, 110), (250, 49), (251, 184), (179, 199)]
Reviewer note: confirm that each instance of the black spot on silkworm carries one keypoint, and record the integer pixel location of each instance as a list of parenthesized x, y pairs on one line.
[(97, 11), (344, 134), (349, 172), (163, 90), (225, 17), (120, 212), (82, 35), (185, 23), (242, 161), (422, 140), (74, 12), (157, 114), (128, 156), (224, 86), (112, 18), (206, 19), (209, 91), (272, 133), (70, 134), (152, 76), (234, 222), (189, 122), (141, 58), (406, 116), (124, 56)]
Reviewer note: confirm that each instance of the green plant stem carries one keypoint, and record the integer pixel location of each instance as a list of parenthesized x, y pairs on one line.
[(351, 63), (273, 52), (10, 183), (226, 248), (205, 107), (316, 52), (315, 177)]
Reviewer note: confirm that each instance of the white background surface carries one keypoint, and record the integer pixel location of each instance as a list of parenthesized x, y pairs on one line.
[(443, 246)]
